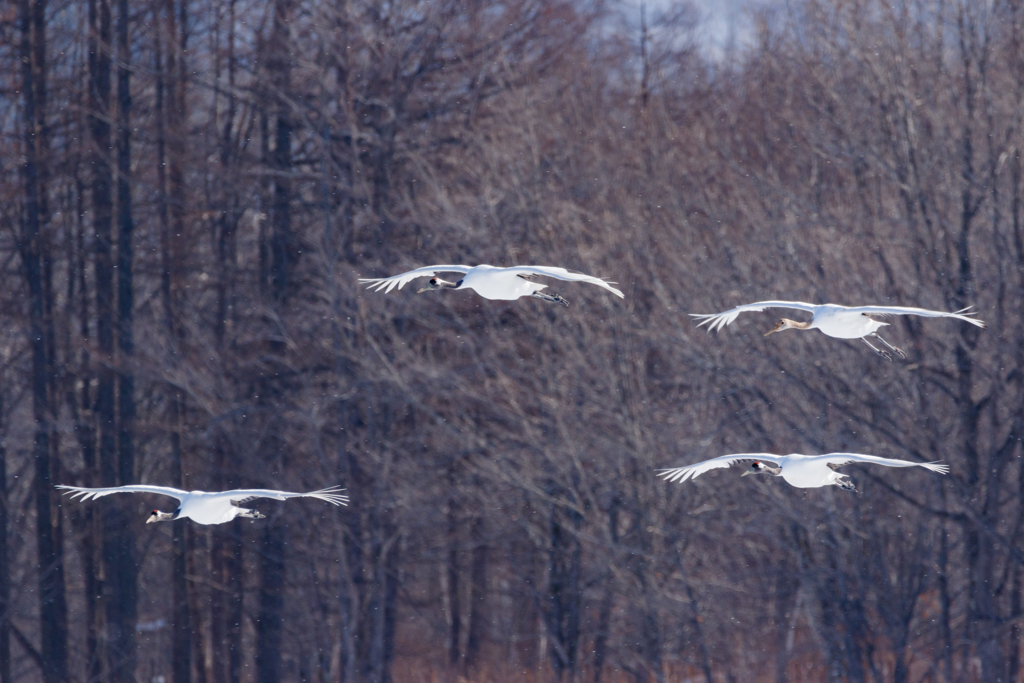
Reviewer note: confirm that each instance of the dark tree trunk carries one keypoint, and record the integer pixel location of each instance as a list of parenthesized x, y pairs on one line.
[(352, 584), (181, 611), (226, 555), (564, 570), (268, 628), (5, 571), (786, 587), (79, 398), (181, 617), (123, 638), (452, 579), (705, 656), (477, 593), (282, 240), (35, 256), (1015, 630), (233, 567), (604, 617), (226, 563), (381, 608), (169, 97)]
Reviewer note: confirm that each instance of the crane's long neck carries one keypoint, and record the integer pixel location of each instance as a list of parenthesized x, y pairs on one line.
[(438, 283), (787, 324), (157, 516), (776, 471)]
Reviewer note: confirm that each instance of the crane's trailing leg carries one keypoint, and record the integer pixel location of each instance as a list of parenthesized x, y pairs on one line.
[(884, 354), (898, 352), (554, 298), (251, 514), (841, 480), (846, 484)]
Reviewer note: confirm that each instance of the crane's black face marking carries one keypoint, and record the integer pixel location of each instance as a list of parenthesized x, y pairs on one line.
[(157, 516), (758, 468), (438, 283)]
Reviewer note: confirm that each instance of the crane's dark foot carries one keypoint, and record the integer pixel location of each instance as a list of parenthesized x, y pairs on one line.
[(554, 298), (846, 484), (252, 514), (881, 352), (898, 352)]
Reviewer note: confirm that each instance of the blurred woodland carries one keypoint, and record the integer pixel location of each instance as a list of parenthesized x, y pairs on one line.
[(189, 191)]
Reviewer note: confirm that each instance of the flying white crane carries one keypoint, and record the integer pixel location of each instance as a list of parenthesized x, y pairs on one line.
[(801, 471), (490, 282), (203, 507), (841, 322)]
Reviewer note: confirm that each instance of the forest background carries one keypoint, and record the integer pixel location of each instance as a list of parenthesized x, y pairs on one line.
[(190, 190)]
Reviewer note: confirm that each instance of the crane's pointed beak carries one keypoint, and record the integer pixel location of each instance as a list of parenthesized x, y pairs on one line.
[(750, 471)]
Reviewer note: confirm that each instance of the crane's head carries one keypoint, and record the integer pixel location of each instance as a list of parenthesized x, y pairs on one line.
[(438, 283), (758, 467), (157, 516), (787, 324)]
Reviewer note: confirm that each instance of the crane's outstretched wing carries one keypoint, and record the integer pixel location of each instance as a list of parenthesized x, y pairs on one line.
[(389, 283), (89, 494), (840, 459), (884, 311), (694, 471), (563, 274), (242, 496), (719, 320)]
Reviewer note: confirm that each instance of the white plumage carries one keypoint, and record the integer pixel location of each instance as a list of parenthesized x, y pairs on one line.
[(490, 282), (204, 507), (841, 322), (801, 471)]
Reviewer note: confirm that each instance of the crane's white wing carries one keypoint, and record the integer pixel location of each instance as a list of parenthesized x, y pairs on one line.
[(389, 283), (89, 494), (563, 274), (840, 459), (694, 471), (882, 311), (719, 320), (242, 496)]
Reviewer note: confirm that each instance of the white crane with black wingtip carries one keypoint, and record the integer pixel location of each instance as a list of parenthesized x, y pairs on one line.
[(490, 282), (841, 322), (801, 471), (204, 507)]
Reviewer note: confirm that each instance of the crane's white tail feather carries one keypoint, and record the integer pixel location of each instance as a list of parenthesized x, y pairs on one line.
[(331, 494), (678, 473), (385, 283), (940, 467), (717, 320), (83, 494), (966, 314)]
